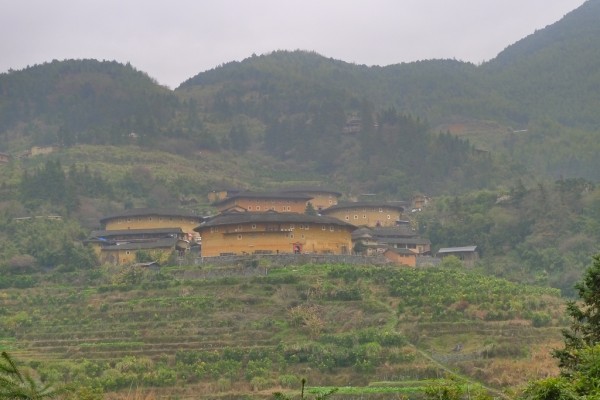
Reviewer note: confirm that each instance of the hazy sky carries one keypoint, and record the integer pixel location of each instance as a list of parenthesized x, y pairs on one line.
[(174, 40)]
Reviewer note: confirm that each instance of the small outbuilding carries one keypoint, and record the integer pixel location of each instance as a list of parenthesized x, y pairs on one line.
[(467, 254)]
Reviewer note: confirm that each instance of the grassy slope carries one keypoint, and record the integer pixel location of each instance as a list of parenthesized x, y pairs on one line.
[(236, 331)]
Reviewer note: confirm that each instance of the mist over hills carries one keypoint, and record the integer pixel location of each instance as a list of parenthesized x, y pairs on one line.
[(531, 111)]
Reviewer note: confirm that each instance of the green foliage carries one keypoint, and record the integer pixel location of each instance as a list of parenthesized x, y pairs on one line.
[(527, 234), (48, 243), (444, 391), (550, 389), (48, 184), (310, 209), (235, 332), (15, 384), (585, 320), (84, 101)]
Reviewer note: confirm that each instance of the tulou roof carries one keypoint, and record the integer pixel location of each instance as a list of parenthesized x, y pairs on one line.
[(270, 217), (310, 189), (155, 244), (402, 251), (367, 204), (141, 212), (136, 232), (464, 249), (264, 195)]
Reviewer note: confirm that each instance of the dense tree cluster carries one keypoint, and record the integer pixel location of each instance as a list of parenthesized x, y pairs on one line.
[(543, 234)]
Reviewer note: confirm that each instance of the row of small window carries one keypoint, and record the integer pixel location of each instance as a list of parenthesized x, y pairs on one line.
[(288, 235), (283, 208), (214, 229), (347, 217), (150, 219)]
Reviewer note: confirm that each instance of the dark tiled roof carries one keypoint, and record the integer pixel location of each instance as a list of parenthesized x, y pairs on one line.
[(366, 204), (400, 231), (135, 232), (400, 240), (464, 249), (310, 189), (142, 212), (264, 195), (269, 217), (155, 244), (402, 251), (385, 232)]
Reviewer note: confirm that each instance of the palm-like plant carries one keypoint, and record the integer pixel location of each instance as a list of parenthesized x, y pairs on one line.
[(16, 385)]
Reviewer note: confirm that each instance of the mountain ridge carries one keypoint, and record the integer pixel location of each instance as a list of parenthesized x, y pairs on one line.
[(294, 105)]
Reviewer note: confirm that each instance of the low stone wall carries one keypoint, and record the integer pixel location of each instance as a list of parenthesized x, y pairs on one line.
[(292, 259)]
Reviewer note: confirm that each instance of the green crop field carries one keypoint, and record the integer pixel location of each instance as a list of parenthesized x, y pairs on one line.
[(366, 330)]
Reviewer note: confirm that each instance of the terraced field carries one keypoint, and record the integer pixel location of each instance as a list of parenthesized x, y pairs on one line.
[(239, 335)]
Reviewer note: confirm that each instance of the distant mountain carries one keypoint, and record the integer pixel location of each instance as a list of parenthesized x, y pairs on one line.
[(285, 82), (555, 72), (434, 126), (75, 101)]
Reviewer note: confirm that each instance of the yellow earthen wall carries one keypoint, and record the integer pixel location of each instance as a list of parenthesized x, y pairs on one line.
[(322, 201), (120, 257), (409, 260), (248, 239), (186, 224), (367, 216), (262, 205)]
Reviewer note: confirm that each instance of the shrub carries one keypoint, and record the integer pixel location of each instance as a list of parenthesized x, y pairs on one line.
[(260, 383), (258, 368), (22, 263), (161, 376), (289, 381), (223, 384), (540, 319)]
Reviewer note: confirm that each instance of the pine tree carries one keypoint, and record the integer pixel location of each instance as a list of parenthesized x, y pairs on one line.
[(585, 325), (15, 384)]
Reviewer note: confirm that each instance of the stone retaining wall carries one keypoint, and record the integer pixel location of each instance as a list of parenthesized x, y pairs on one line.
[(292, 259)]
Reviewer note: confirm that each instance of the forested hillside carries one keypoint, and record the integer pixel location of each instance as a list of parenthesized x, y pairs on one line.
[(540, 94), (210, 332), (505, 154), (521, 123)]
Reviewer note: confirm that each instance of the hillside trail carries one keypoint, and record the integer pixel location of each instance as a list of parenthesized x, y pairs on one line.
[(392, 323), (464, 378)]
